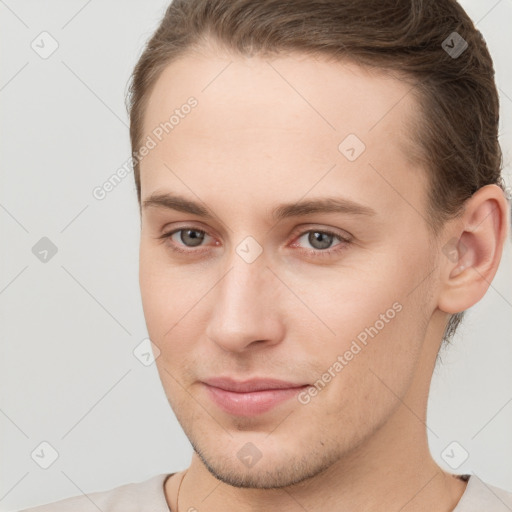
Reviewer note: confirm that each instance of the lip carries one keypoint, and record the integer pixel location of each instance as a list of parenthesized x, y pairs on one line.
[(250, 397)]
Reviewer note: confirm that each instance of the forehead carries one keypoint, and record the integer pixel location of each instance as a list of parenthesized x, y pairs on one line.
[(334, 95), (279, 124)]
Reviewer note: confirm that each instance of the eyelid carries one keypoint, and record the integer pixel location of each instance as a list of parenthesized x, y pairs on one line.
[(166, 236), (303, 229)]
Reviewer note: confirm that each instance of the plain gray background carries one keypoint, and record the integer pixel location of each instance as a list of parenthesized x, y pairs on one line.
[(69, 325)]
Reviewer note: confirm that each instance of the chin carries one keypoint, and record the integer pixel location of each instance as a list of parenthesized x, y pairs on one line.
[(269, 472)]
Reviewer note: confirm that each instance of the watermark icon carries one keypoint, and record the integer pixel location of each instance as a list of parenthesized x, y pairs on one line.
[(44, 250), (146, 352), (304, 397), (151, 142), (454, 249), (249, 455), (351, 147), (249, 249), (454, 45), (44, 45), (44, 455), (455, 455)]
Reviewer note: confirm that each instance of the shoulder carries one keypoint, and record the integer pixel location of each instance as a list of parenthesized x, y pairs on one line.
[(133, 497), (480, 495)]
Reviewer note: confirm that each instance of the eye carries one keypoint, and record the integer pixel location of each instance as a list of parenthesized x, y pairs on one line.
[(190, 237), (322, 242), (185, 237)]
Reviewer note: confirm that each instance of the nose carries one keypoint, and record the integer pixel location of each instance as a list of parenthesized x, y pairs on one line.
[(245, 312)]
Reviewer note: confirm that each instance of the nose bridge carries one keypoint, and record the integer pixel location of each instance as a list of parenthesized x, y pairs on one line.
[(246, 283), (244, 305)]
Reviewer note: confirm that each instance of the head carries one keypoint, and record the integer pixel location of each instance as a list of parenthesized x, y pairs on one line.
[(320, 201)]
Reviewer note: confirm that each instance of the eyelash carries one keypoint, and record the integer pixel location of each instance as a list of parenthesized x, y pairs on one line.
[(317, 253)]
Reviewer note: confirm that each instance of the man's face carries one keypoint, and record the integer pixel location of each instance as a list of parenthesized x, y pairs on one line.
[(339, 298)]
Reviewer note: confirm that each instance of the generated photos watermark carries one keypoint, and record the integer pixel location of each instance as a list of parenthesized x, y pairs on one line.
[(361, 340)]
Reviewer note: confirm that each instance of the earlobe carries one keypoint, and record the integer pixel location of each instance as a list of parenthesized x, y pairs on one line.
[(471, 256)]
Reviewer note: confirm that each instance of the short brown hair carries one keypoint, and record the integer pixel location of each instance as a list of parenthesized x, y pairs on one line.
[(457, 135)]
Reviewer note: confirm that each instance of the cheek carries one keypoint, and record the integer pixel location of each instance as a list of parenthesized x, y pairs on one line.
[(159, 294), (350, 305), (366, 381), (174, 301), (151, 291), (379, 323), (164, 288)]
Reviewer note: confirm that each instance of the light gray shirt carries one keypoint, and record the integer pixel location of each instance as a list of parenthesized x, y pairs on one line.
[(148, 496)]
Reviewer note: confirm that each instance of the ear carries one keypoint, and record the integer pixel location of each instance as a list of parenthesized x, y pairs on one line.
[(471, 248)]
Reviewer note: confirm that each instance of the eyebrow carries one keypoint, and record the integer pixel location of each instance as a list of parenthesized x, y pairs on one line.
[(280, 212)]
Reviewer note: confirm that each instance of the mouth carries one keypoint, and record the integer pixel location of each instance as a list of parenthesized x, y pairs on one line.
[(250, 397)]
